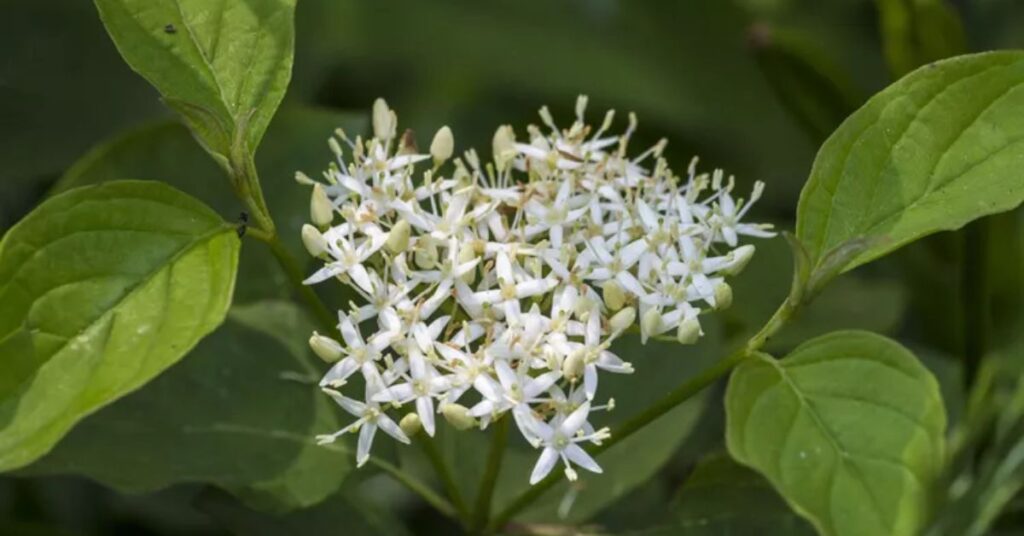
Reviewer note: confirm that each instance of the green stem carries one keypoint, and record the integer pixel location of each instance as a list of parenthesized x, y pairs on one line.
[(681, 394), (324, 317), (417, 487), (482, 509), (447, 480)]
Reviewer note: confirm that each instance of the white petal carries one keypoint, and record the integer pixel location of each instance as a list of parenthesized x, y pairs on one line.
[(366, 434), (575, 420), (425, 408), (392, 429), (580, 457), (545, 463)]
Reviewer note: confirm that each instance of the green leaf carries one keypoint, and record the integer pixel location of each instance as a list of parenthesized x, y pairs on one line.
[(932, 152), (241, 411), (708, 502), (224, 65), (102, 288), (849, 428)]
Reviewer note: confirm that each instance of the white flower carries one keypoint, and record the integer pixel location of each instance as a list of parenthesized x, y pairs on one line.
[(560, 439), (502, 286)]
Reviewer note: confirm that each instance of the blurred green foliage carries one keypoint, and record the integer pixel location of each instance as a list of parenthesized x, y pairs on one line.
[(753, 86)]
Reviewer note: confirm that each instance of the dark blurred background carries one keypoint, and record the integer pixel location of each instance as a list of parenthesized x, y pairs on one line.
[(753, 86)]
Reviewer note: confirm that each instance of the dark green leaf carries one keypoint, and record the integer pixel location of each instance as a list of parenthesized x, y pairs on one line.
[(103, 288), (241, 411)]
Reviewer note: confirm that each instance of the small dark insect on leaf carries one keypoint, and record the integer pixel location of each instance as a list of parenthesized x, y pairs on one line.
[(243, 219), (170, 29)]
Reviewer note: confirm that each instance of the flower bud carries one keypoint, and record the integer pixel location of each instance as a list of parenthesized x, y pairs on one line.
[(325, 347), (458, 416), (383, 120), (302, 178), (740, 257), (614, 296), (425, 256), (321, 211), (689, 331), (650, 324), (443, 145), (410, 424), (504, 146), (623, 319), (398, 238), (572, 367), (723, 295), (468, 254), (314, 240)]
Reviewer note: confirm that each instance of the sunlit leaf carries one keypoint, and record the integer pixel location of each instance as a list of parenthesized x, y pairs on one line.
[(102, 289)]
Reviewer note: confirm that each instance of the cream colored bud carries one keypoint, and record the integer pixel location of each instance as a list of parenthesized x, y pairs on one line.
[(504, 146), (623, 319), (325, 348), (302, 178), (650, 324), (572, 367), (410, 424), (468, 254), (689, 331), (614, 296), (314, 240), (740, 257), (723, 295), (443, 145), (383, 120), (321, 211), (426, 255), (335, 146), (398, 238), (458, 416)]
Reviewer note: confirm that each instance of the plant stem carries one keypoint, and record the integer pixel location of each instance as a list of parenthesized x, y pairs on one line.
[(679, 395), (323, 315), (417, 487), (485, 494), (447, 480)]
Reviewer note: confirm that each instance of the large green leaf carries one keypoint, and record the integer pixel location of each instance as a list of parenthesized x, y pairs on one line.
[(241, 411), (223, 64), (102, 289), (939, 148), (849, 428)]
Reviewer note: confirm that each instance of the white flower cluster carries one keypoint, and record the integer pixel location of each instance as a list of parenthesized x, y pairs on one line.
[(499, 287)]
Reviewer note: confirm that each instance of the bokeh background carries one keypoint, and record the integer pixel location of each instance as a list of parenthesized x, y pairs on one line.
[(753, 86)]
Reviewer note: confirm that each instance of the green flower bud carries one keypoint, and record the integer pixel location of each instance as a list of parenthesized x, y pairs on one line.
[(443, 145), (458, 416), (468, 254), (384, 120), (325, 347), (572, 367), (723, 295), (623, 319), (398, 238), (689, 331), (410, 424), (614, 296), (740, 258), (321, 211), (650, 324), (314, 241), (504, 146)]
